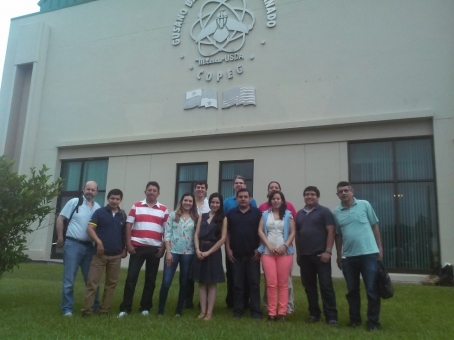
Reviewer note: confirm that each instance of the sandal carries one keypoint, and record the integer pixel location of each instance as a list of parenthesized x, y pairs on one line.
[(201, 316), (208, 316)]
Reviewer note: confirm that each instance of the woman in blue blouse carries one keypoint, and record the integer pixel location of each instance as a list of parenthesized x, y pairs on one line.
[(179, 243)]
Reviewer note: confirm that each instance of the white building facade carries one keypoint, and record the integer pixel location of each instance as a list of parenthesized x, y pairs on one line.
[(302, 92)]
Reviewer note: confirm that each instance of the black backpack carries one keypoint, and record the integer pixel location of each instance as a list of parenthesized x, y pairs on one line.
[(446, 276), (76, 209)]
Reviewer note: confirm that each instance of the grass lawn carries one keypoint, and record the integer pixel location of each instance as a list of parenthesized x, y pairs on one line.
[(30, 300)]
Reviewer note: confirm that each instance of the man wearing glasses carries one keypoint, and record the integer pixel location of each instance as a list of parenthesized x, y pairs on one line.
[(359, 247)]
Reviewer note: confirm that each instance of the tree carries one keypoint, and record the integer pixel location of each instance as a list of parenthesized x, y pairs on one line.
[(24, 205)]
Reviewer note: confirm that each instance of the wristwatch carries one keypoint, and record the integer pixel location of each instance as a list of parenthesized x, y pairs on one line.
[(328, 251)]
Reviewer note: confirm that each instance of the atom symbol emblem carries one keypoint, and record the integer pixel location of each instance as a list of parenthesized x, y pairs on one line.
[(222, 27)]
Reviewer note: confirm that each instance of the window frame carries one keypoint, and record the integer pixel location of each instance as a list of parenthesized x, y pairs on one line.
[(72, 194), (395, 183)]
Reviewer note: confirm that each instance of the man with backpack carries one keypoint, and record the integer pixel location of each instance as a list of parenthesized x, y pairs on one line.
[(78, 246)]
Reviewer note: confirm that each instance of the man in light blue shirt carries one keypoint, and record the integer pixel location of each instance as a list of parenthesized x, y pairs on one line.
[(358, 245), (78, 247)]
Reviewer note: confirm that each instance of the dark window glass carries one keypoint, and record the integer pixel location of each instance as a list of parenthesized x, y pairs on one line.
[(371, 161), (228, 171), (414, 160), (187, 175)]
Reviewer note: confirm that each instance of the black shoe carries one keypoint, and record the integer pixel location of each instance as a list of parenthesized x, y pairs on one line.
[(354, 324), (373, 327), (333, 323), (312, 319), (271, 318), (281, 318), (86, 315), (188, 305)]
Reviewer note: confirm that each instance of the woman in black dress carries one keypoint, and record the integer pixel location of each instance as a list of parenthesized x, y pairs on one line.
[(210, 235)]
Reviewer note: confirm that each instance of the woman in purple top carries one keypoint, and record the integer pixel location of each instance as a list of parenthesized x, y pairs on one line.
[(210, 235)]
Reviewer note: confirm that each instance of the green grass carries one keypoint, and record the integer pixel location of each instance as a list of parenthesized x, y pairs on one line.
[(30, 300)]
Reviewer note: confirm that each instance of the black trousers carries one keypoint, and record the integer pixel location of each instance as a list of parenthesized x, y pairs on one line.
[(246, 272), (229, 279), (143, 254), (312, 268)]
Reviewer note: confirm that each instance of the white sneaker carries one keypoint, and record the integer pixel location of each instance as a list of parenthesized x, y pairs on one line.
[(145, 313), (69, 314), (122, 314)]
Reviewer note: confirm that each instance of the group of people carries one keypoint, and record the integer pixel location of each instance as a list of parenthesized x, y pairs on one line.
[(191, 237)]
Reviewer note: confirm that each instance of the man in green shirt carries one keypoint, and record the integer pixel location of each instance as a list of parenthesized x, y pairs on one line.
[(358, 244)]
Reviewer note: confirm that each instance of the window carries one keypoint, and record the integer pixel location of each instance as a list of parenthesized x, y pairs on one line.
[(228, 171), (75, 174), (397, 178), (187, 174)]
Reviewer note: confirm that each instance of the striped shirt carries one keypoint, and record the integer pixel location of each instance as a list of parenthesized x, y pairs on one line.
[(148, 223)]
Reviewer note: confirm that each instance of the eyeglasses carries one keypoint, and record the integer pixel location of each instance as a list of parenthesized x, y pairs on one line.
[(343, 191)]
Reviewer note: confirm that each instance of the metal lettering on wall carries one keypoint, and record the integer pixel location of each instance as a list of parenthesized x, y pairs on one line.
[(220, 32)]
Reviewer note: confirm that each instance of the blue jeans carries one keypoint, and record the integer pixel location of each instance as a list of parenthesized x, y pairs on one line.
[(75, 255), (143, 254), (367, 266), (311, 268), (185, 261)]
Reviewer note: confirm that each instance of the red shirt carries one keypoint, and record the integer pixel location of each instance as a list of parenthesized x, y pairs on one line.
[(148, 223), (264, 206)]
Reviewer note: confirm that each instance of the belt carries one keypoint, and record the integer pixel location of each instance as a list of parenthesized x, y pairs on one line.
[(87, 243)]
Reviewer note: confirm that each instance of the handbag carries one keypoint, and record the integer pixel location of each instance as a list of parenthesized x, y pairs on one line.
[(385, 286), (433, 279)]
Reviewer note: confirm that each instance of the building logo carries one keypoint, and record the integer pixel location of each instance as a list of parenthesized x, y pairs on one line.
[(219, 31), (221, 27)]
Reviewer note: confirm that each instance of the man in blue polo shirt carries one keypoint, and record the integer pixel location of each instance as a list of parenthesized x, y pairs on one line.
[(314, 241), (107, 229), (241, 249), (239, 182), (78, 247), (359, 247)]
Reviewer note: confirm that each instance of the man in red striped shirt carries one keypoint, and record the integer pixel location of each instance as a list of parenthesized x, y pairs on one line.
[(144, 230)]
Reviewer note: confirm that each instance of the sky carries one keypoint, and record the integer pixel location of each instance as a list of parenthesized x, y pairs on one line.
[(11, 9)]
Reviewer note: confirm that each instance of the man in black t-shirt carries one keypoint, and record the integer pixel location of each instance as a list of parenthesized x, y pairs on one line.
[(241, 247), (315, 233)]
